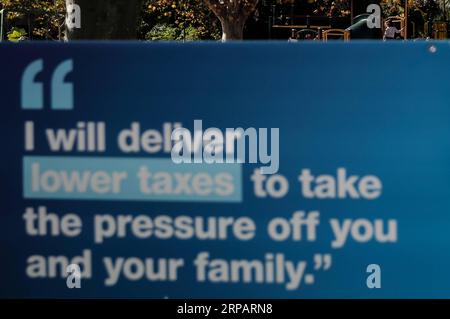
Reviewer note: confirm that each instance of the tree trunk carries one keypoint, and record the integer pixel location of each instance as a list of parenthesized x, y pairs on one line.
[(102, 19), (232, 29), (232, 15)]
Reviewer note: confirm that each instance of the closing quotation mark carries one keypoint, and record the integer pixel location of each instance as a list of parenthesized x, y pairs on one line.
[(32, 92), (322, 261)]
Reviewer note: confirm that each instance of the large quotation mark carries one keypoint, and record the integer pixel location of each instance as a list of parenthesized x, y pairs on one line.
[(322, 261), (32, 92), (62, 93)]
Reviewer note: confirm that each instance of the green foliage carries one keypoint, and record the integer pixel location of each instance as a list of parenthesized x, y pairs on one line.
[(430, 8), (16, 34), (162, 32), (190, 19), (165, 32), (45, 15), (191, 34), (161, 19)]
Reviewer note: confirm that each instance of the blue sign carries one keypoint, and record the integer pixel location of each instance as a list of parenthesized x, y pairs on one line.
[(262, 170)]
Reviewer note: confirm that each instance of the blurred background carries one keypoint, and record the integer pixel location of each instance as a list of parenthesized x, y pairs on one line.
[(188, 20)]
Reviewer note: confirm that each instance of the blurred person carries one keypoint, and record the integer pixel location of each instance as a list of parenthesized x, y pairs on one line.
[(391, 31)]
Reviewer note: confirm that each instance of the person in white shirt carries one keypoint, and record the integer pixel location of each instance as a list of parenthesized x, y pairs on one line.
[(390, 31)]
